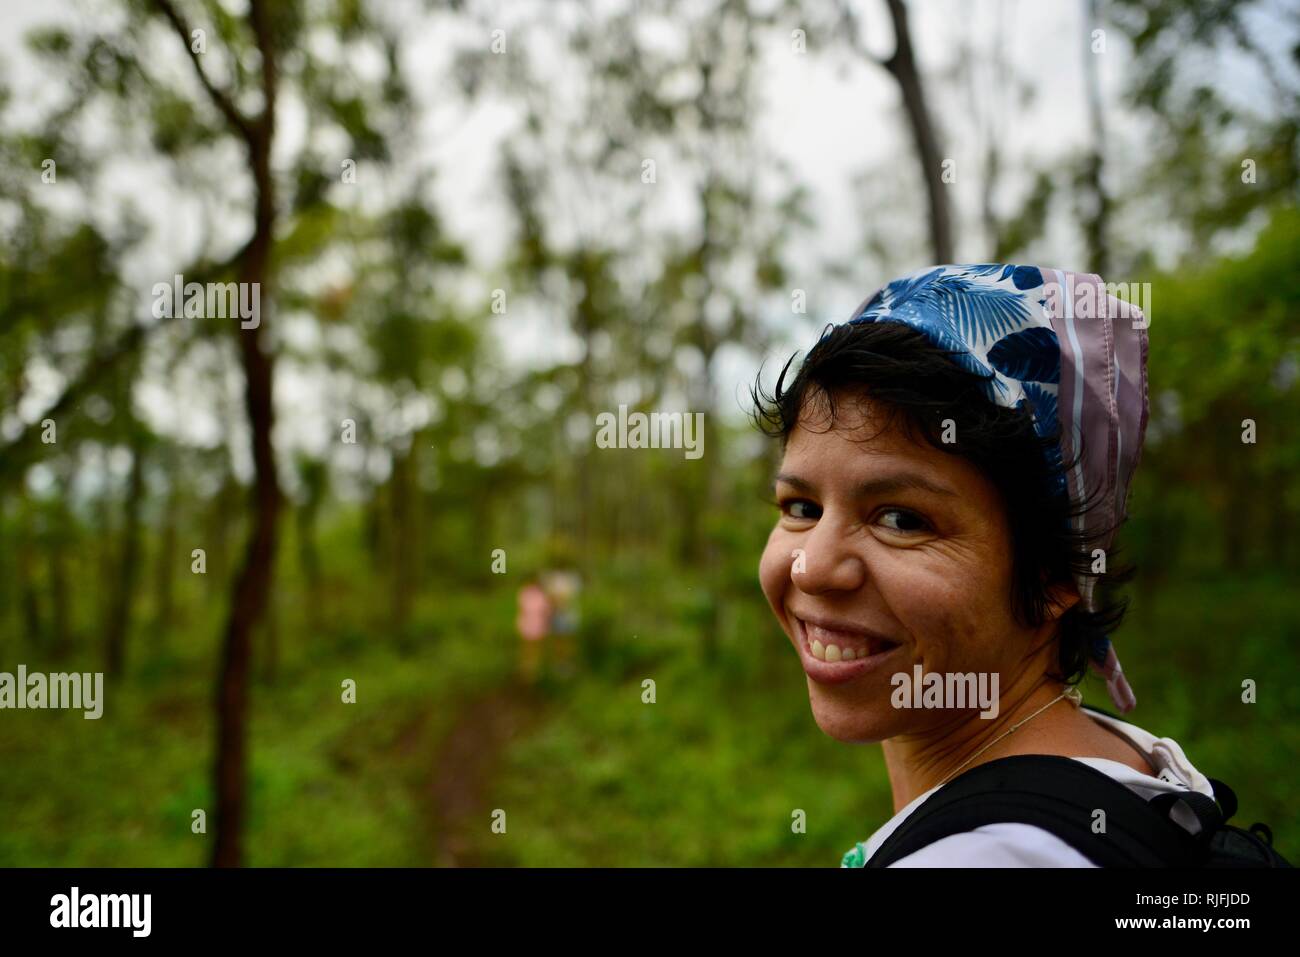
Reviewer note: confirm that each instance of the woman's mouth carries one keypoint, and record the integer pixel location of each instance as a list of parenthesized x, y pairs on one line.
[(834, 652)]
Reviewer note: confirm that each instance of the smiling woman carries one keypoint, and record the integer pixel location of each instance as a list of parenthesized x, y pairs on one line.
[(933, 522)]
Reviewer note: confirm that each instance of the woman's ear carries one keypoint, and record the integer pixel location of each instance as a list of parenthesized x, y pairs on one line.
[(1061, 597)]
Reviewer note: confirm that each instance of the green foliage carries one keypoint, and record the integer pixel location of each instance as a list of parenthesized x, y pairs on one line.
[(1224, 351), (379, 318)]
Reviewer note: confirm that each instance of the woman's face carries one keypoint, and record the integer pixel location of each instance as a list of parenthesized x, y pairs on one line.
[(891, 553)]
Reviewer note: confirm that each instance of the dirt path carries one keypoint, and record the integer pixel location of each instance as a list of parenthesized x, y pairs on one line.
[(463, 770)]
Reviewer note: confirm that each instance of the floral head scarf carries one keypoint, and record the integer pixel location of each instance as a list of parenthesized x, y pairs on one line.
[(1058, 343)]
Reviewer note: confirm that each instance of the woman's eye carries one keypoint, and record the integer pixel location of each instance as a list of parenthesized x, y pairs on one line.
[(901, 520), (801, 509)]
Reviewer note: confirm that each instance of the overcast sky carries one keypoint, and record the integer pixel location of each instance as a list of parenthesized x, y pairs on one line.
[(831, 123)]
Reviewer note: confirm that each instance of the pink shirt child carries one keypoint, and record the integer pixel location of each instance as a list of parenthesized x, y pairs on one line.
[(534, 613)]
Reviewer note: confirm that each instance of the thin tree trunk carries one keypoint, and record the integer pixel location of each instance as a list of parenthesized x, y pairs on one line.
[(990, 113), (713, 497), (7, 578), (165, 571), (902, 66), (220, 519), (25, 561), (60, 598), (1280, 523), (248, 601), (585, 328), (119, 621), (309, 560), (703, 545), (253, 581), (1097, 217), (401, 554)]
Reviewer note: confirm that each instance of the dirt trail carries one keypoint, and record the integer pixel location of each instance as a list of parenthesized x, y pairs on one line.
[(465, 766)]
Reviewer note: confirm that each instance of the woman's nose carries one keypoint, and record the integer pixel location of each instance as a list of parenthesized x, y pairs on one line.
[(826, 561)]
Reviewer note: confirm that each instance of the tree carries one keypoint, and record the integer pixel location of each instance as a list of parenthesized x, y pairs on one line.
[(1223, 140), (203, 86), (902, 66), (644, 303)]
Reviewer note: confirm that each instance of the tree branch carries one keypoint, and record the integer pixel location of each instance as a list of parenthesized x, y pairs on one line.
[(849, 21), (219, 97), (15, 455)]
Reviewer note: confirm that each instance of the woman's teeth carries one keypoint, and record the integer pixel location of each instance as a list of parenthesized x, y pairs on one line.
[(828, 645), (832, 652)]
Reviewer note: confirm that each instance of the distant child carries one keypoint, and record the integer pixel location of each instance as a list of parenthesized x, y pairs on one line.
[(534, 624), (562, 587)]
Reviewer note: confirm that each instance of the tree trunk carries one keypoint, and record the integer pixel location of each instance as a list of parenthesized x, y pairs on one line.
[(119, 621), (1096, 218), (902, 66), (309, 560), (24, 561), (165, 570), (7, 579), (220, 519), (1278, 531), (60, 598), (248, 598), (402, 570), (253, 581), (711, 574)]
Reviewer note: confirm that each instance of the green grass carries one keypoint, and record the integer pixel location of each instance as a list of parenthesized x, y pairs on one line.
[(330, 783), (710, 774)]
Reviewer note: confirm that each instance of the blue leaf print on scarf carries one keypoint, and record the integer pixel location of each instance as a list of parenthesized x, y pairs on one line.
[(899, 290), (906, 289), (973, 311), (976, 312), (952, 311), (938, 333), (1034, 355), (988, 269), (1026, 277), (1043, 404), (871, 306)]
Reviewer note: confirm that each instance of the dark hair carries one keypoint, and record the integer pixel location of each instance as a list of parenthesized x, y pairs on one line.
[(902, 372)]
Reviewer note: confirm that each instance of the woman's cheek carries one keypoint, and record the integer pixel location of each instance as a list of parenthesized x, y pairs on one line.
[(774, 567), (952, 619), (935, 613), (977, 612)]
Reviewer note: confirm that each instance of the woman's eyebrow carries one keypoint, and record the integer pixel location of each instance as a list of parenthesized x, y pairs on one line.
[(793, 480), (884, 485), (901, 481)]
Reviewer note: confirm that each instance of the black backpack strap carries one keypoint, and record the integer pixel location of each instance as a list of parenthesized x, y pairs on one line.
[(1207, 812), (1210, 814), (1059, 795), (1226, 797)]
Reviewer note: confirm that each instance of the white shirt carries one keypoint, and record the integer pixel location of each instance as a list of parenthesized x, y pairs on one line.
[(1024, 845)]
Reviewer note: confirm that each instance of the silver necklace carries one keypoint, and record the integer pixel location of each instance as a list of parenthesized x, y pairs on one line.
[(1073, 694)]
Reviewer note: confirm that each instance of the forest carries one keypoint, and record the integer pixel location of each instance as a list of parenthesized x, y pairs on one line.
[(327, 327)]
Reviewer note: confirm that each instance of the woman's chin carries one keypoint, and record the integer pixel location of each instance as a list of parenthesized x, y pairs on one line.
[(853, 724)]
